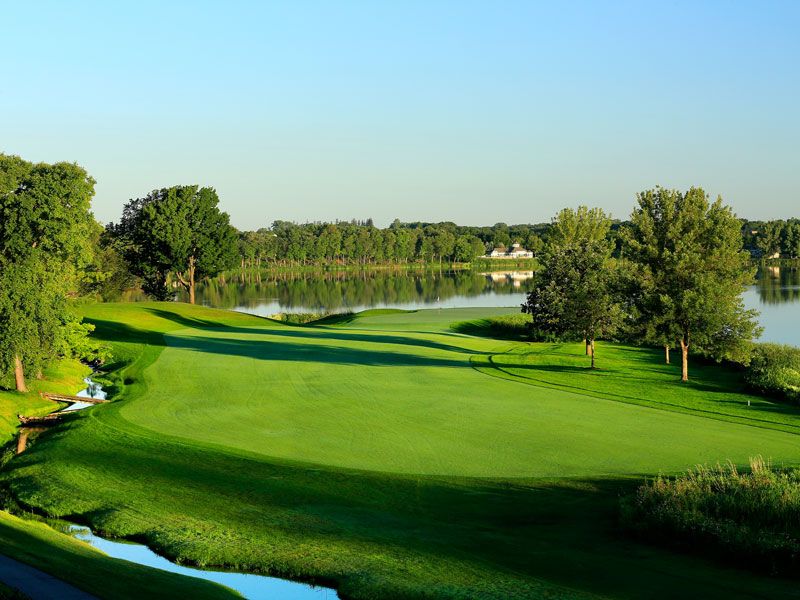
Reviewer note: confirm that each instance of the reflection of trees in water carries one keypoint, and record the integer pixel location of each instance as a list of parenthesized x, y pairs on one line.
[(332, 291), (779, 284)]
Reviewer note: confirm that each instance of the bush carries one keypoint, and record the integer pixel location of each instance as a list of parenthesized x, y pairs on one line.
[(508, 327), (774, 370), (306, 318), (749, 518)]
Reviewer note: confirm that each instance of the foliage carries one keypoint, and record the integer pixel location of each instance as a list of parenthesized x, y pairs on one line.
[(32, 305), (765, 238), (574, 295), (509, 327), (362, 243), (580, 225), (774, 370), (751, 518), (76, 342), (177, 231), (692, 272)]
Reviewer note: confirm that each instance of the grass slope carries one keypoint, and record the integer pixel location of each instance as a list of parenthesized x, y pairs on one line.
[(89, 569), (376, 452)]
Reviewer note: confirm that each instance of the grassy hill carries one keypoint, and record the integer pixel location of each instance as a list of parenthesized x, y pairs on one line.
[(394, 456)]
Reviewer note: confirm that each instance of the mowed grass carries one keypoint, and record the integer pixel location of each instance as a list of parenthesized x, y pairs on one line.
[(387, 454)]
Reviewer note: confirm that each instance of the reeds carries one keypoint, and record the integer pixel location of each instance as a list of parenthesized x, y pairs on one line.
[(751, 517)]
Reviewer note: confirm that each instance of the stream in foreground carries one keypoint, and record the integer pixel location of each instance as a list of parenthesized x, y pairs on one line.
[(254, 587)]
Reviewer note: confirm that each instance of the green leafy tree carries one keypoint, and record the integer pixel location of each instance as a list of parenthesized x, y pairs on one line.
[(692, 270), (574, 294), (180, 232), (45, 231)]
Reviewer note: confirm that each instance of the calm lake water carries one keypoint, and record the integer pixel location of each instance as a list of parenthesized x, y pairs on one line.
[(776, 295)]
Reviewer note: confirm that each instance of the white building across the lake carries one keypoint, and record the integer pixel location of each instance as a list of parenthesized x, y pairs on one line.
[(516, 251)]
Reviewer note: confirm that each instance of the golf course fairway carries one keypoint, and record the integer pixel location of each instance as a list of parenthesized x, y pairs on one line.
[(390, 456)]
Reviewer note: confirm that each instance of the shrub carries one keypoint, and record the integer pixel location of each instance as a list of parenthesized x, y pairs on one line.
[(513, 327), (305, 318), (749, 518), (775, 370)]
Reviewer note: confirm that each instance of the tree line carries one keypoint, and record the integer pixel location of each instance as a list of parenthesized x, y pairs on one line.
[(361, 243), (767, 238)]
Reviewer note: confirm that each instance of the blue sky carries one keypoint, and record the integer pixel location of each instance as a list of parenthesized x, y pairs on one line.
[(475, 112)]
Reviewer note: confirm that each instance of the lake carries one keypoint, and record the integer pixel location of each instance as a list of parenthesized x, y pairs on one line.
[(776, 294)]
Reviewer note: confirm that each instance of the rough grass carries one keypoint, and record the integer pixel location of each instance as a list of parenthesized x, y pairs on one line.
[(379, 455), (749, 517), (507, 327)]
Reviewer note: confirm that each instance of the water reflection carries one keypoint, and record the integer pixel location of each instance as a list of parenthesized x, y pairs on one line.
[(347, 290), (777, 285)]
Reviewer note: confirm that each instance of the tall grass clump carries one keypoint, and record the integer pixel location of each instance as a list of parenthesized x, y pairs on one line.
[(750, 518), (507, 327), (774, 370)]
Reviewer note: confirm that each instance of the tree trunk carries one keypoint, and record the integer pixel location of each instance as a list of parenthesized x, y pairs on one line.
[(684, 360), (666, 352), (19, 375), (191, 280), (591, 351)]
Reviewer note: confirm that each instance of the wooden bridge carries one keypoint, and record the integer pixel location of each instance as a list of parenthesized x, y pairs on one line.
[(50, 419), (71, 399)]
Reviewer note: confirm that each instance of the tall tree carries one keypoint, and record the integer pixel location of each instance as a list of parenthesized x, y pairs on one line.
[(45, 226), (177, 231), (573, 296), (693, 270)]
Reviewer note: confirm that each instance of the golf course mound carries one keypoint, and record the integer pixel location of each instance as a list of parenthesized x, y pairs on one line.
[(392, 455)]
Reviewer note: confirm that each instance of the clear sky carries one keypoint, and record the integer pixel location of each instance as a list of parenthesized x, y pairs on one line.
[(474, 112)]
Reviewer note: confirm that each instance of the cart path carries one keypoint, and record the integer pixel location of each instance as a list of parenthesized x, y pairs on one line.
[(37, 584)]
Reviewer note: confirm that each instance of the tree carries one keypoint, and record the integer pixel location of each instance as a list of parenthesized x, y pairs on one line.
[(573, 296), (692, 269), (45, 230), (177, 231), (584, 224), (768, 238)]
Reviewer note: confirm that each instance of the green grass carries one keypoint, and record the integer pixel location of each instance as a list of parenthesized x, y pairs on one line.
[(394, 456), (87, 568)]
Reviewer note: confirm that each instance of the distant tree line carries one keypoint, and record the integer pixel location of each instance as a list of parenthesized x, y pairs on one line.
[(765, 239), (361, 243)]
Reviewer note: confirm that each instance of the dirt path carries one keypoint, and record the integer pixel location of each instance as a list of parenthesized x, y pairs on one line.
[(37, 584)]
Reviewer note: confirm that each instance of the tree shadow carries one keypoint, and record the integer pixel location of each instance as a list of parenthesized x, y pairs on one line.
[(283, 351)]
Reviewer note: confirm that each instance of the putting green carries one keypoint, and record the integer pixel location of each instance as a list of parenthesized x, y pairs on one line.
[(405, 401)]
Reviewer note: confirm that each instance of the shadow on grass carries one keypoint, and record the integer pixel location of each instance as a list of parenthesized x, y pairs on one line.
[(273, 350), (523, 531)]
